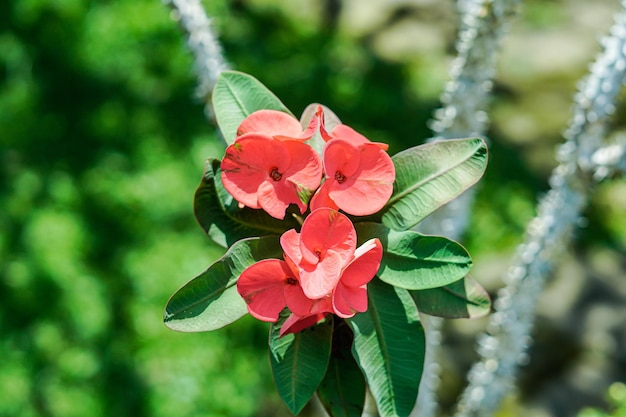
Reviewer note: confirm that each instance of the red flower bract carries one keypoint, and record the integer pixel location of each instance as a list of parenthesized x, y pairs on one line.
[(320, 251), (323, 272), (262, 172), (350, 295), (359, 177), (348, 134), (278, 124)]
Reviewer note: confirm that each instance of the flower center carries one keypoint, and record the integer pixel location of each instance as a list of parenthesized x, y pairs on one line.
[(291, 281), (339, 177), (276, 176)]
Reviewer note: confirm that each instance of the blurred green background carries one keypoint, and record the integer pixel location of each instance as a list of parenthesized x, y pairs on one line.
[(102, 144)]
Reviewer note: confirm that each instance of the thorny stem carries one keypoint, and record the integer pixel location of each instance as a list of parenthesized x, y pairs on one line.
[(483, 23), (203, 43), (584, 159)]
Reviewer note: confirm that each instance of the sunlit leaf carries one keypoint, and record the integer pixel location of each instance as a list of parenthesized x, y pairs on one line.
[(299, 361), (210, 300), (429, 176), (237, 95), (462, 299), (389, 347), (415, 261)]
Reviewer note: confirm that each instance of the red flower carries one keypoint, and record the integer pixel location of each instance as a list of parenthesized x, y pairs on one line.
[(359, 175), (350, 294), (279, 125), (295, 324), (325, 245), (270, 285), (323, 272), (347, 133), (262, 172)]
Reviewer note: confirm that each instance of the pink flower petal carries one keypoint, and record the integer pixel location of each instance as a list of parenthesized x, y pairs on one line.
[(347, 133), (326, 229), (371, 198), (261, 172), (371, 186), (376, 165), (318, 280), (248, 162), (316, 121), (365, 265), (262, 287), (347, 301), (323, 305), (275, 196), (318, 311), (305, 171), (321, 199), (270, 122), (297, 302), (350, 295), (341, 159), (290, 242), (295, 324)]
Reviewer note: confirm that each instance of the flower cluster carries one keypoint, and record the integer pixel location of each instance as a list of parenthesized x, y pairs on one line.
[(270, 166), (323, 272)]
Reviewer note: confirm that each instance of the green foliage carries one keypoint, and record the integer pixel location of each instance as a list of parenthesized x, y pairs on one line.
[(414, 261), (342, 391), (389, 347), (240, 95), (434, 268), (463, 299), (429, 176), (616, 397), (299, 362), (210, 300)]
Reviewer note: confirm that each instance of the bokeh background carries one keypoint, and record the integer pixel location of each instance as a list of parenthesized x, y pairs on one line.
[(102, 144)]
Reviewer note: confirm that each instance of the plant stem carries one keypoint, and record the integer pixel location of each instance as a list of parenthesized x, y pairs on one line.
[(584, 159), (203, 43), (483, 24)]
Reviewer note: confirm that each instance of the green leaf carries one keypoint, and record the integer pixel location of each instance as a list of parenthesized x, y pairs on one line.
[(210, 300), (342, 391), (429, 176), (389, 346), (299, 361), (221, 218), (415, 261), (237, 95), (462, 299)]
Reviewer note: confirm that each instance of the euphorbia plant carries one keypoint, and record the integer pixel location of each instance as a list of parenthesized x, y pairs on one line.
[(318, 223)]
